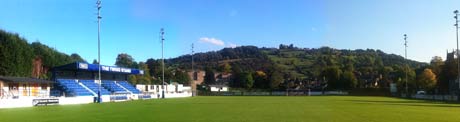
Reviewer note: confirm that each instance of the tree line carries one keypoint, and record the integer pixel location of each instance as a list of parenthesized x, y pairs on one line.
[(17, 56), (290, 67), (152, 71)]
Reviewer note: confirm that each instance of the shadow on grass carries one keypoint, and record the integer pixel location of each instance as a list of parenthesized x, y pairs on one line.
[(405, 103)]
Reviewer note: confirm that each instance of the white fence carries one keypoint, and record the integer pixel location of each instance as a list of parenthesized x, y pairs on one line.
[(436, 97)]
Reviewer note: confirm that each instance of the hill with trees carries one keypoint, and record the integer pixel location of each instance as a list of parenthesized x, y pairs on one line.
[(288, 66)]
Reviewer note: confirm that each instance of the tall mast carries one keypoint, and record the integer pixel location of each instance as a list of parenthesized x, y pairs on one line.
[(457, 51), (162, 61), (98, 3), (192, 84), (407, 66)]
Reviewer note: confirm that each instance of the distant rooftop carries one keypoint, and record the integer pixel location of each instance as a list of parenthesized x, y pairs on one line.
[(23, 79)]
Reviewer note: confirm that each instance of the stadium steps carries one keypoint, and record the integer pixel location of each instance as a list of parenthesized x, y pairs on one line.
[(123, 88), (73, 88), (113, 87), (129, 87), (94, 87), (81, 84)]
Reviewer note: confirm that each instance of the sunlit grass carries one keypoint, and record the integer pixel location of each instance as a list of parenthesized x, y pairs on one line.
[(262, 109)]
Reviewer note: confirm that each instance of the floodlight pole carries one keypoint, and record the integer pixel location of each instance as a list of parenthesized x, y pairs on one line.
[(98, 3), (193, 70), (193, 73), (162, 61), (405, 55), (458, 55)]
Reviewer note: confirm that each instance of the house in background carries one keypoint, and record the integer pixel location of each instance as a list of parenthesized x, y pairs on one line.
[(222, 80)]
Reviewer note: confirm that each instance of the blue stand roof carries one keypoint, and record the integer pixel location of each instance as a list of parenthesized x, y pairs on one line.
[(82, 66)]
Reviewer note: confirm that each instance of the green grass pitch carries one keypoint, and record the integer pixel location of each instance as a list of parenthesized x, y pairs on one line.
[(246, 108)]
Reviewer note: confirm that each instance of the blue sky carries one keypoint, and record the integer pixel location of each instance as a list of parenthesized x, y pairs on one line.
[(132, 26)]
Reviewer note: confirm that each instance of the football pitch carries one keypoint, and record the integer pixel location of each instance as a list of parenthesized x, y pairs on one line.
[(245, 108)]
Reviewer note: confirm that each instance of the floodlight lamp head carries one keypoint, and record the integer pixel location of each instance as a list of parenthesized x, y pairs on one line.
[(98, 3), (456, 12)]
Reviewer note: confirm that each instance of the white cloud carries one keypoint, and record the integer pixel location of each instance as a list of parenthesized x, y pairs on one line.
[(231, 45), (213, 41)]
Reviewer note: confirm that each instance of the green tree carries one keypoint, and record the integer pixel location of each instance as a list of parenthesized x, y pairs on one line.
[(154, 67), (134, 65), (76, 58), (332, 75), (209, 77), (248, 80), (275, 80), (145, 78), (261, 80), (182, 77), (51, 57), (124, 60), (227, 68), (349, 80), (15, 55), (236, 78), (400, 77), (132, 79), (436, 64), (95, 61)]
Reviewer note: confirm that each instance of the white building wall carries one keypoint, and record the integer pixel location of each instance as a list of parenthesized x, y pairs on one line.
[(171, 88), (141, 87), (26, 101), (216, 89), (224, 89), (180, 87), (153, 88), (159, 88), (186, 89), (76, 100), (3, 87), (105, 98)]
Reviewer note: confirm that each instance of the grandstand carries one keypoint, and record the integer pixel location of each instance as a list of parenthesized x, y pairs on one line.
[(75, 84), (77, 79)]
